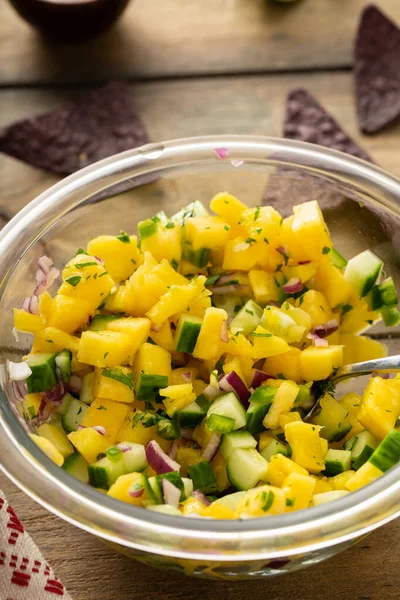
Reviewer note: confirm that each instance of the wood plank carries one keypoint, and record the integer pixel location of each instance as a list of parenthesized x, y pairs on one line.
[(185, 37), (92, 571)]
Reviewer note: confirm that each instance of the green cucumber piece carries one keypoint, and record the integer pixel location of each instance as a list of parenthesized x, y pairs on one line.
[(221, 424), (247, 318), (304, 395), (276, 447), (187, 332), (336, 462), (245, 468), (388, 292), (362, 272), (337, 259), (134, 458), (73, 415), (148, 227), (194, 209), (334, 420), (390, 316), (232, 304), (169, 429), (63, 407), (86, 394), (192, 415), (255, 416), (230, 406), (187, 487), (148, 386), (77, 466), (199, 258), (203, 477), (103, 473), (43, 377), (364, 446), (231, 500), (263, 395), (63, 362), (100, 322), (387, 454), (176, 480), (236, 439), (155, 489)]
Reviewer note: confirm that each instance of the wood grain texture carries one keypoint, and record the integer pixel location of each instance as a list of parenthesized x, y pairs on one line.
[(185, 37), (92, 571)]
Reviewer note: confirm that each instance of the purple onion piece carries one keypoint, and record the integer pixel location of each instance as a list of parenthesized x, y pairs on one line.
[(233, 383), (198, 494), (326, 329), (172, 449), (258, 378), (158, 460), (100, 429), (124, 447), (187, 377), (171, 493), (136, 493), (186, 433), (293, 286), (212, 447), (211, 392)]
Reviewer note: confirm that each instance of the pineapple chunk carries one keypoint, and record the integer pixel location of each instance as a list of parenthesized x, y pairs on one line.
[(298, 490), (330, 281), (219, 464), (281, 324), (380, 406), (286, 418), (153, 360), (177, 397), (24, 321), (209, 339), (311, 230), (302, 272), (57, 436), (133, 430), (86, 279), (264, 286), (137, 330), (31, 404), (89, 443), (120, 254), (244, 254), (108, 414), (184, 375), (262, 223), (352, 402), (187, 456), (164, 242), (52, 339), (48, 448), (175, 300), (104, 348), (283, 402), (319, 363), (288, 239), (322, 484), (237, 345), (116, 301), (358, 348), (120, 488), (229, 208), (315, 304), (363, 476), (45, 306), (286, 364), (265, 438), (69, 313), (339, 482), (266, 344), (164, 338), (107, 386), (359, 318), (279, 467), (308, 448), (206, 232), (261, 501)]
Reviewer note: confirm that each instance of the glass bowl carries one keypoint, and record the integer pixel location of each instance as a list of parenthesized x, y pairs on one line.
[(361, 204)]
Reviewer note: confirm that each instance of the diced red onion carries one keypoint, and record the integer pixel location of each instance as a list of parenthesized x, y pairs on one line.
[(171, 493), (236, 163), (124, 447), (44, 411), (317, 341), (222, 153), (55, 395), (80, 427), (136, 493), (75, 383), (212, 447), (231, 382), (293, 286), (18, 371), (304, 262), (223, 335), (187, 377), (101, 430), (258, 378), (19, 389), (198, 494), (283, 250), (30, 305), (211, 391), (224, 290), (45, 263), (158, 460), (15, 334), (186, 434), (46, 275), (99, 260), (327, 328), (172, 449)]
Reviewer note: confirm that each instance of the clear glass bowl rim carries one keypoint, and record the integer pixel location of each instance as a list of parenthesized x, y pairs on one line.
[(200, 539)]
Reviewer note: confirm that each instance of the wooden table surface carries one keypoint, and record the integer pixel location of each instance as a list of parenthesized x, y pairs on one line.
[(209, 67)]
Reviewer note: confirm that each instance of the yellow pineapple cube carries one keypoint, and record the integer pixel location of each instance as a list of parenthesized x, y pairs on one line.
[(137, 330), (104, 348), (263, 286), (163, 337), (237, 345), (298, 490), (69, 313), (303, 272), (363, 476), (45, 306), (308, 448), (116, 301), (244, 254), (175, 300), (279, 467), (298, 315), (358, 348), (283, 402), (322, 484), (290, 417), (209, 339), (262, 223), (177, 397), (120, 254), (165, 242), (265, 438), (216, 510), (288, 240), (85, 278), (330, 281), (187, 456), (351, 403), (133, 430), (48, 448), (380, 406), (315, 304), (266, 344), (218, 464), (318, 363), (27, 322), (153, 360), (311, 230), (52, 339), (286, 364), (206, 232), (89, 443), (55, 433), (31, 404), (229, 208), (120, 488), (339, 482), (108, 385), (108, 414), (261, 501), (183, 375), (359, 318)]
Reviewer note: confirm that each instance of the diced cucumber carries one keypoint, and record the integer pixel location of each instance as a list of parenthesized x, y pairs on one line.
[(43, 377), (194, 209), (304, 396), (221, 424), (148, 386), (230, 406), (148, 227), (114, 454), (387, 454), (176, 480), (63, 407), (192, 415), (199, 258), (362, 272), (390, 316), (276, 447), (325, 497), (349, 444), (232, 304), (169, 429), (231, 500), (245, 468), (203, 477), (247, 318), (77, 466), (63, 362), (55, 433), (187, 332), (103, 473), (74, 415), (86, 394), (134, 458), (364, 445), (187, 487), (100, 322), (374, 298), (156, 490), (236, 439), (337, 461), (388, 293), (337, 259), (263, 395), (165, 509), (255, 416)]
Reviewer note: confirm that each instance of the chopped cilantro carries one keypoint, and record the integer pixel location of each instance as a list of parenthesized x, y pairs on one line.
[(80, 251), (257, 213), (326, 250), (79, 411), (118, 375), (290, 501), (133, 261), (170, 225), (280, 376), (281, 222), (175, 264), (106, 354), (124, 237), (50, 341), (73, 280), (237, 308), (138, 417), (266, 240), (361, 204), (86, 264), (102, 275), (212, 279), (269, 501), (250, 312), (101, 407), (259, 230), (261, 335), (346, 308), (226, 227), (250, 240), (369, 321)]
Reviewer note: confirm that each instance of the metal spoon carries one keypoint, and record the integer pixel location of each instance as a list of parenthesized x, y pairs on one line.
[(389, 364)]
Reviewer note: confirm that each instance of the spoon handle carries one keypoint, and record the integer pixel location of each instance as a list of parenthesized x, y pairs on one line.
[(389, 364)]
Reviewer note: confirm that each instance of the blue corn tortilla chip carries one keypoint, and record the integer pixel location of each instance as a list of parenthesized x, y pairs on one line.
[(377, 70), (64, 140)]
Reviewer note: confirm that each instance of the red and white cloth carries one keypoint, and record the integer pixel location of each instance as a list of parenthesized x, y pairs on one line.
[(24, 573)]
